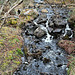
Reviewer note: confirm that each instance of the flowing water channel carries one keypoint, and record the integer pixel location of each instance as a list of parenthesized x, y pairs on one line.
[(41, 37)]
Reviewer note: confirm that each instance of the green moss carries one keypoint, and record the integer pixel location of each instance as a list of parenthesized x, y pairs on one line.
[(25, 51), (16, 62), (10, 57), (28, 18), (1, 43), (13, 22), (13, 41), (10, 49), (3, 66), (19, 51)]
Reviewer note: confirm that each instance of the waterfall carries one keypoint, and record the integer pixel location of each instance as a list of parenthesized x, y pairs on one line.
[(49, 37)]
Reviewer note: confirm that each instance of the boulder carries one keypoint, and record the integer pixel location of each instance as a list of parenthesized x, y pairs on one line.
[(56, 33), (60, 22), (69, 46), (39, 32)]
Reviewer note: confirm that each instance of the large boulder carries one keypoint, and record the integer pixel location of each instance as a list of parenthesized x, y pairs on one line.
[(39, 32), (69, 46)]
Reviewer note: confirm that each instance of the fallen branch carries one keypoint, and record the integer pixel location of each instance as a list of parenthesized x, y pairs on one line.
[(12, 8), (3, 6), (6, 14)]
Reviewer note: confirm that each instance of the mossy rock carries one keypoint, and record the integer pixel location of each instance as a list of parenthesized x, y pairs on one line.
[(12, 21), (66, 37)]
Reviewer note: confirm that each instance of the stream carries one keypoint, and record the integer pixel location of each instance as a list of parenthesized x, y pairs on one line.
[(41, 37)]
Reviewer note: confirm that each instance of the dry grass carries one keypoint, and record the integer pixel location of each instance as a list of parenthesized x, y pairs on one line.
[(71, 70), (10, 50)]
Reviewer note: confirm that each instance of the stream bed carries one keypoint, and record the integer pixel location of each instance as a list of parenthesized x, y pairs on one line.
[(40, 39)]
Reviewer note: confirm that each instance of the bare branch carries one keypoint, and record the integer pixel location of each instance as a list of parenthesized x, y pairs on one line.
[(3, 6), (12, 8), (6, 14)]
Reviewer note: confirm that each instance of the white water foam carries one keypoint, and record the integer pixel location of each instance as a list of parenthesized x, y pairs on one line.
[(66, 29), (49, 37)]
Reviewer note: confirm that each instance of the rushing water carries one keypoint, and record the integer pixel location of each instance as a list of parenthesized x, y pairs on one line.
[(49, 37), (68, 29), (52, 59)]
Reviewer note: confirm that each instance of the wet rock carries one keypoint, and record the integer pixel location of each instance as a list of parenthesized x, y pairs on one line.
[(42, 21), (56, 33), (69, 32), (68, 35), (69, 46), (39, 32), (44, 11), (51, 24), (29, 32), (50, 30), (61, 23)]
